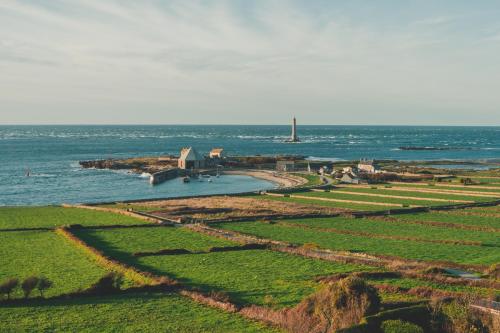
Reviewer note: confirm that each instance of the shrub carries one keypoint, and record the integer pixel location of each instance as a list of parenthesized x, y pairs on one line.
[(340, 305), (399, 326), (8, 286), (219, 296), (108, 284), (456, 316), (43, 284), (494, 271), (28, 285)]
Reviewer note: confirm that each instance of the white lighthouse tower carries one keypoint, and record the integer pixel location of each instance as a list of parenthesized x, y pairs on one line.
[(294, 137)]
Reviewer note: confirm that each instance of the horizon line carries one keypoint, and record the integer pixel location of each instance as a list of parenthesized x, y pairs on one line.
[(235, 124)]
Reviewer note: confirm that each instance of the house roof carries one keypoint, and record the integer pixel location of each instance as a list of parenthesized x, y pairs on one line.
[(190, 154), (216, 150)]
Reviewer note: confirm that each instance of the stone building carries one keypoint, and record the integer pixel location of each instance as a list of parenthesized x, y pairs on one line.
[(369, 166), (190, 159)]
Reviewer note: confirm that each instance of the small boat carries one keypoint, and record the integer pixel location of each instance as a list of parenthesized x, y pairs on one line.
[(209, 180), (186, 179)]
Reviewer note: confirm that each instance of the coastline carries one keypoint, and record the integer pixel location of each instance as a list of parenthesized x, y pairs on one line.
[(280, 179)]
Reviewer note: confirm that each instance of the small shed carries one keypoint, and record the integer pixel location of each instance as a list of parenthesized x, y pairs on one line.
[(190, 159), (285, 166), (217, 153)]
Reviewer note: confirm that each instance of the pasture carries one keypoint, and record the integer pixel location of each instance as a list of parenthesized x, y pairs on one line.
[(462, 254), (138, 312), (52, 216), (260, 277), (27, 253)]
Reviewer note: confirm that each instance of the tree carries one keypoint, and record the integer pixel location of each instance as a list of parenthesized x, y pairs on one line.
[(43, 284), (8, 286), (28, 285)]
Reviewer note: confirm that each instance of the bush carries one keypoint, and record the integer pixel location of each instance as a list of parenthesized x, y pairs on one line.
[(399, 326), (29, 284), (341, 304), (456, 316), (8, 286)]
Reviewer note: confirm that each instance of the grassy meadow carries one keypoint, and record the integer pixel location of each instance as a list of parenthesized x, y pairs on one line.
[(141, 312), (52, 216), (462, 254), (26, 253), (389, 228), (247, 276)]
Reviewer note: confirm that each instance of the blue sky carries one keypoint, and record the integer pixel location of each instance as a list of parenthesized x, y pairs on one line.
[(250, 62)]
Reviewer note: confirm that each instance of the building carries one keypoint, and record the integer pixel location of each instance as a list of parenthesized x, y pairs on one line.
[(368, 166), (217, 153), (285, 166), (294, 137), (190, 159), (350, 178)]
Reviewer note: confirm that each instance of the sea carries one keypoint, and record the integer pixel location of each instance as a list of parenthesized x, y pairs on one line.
[(52, 153)]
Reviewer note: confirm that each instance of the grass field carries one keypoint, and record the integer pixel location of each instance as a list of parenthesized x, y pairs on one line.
[(313, 202), (460, 216), (390, 191), (33, 217), (361, 197), (26, 253), (407, 249), (312, 180), (403, 229), (249, 276), (450, 186), (124, 313), (122, 242)]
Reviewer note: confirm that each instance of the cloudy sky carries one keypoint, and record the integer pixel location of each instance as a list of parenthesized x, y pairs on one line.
[(250, 62)]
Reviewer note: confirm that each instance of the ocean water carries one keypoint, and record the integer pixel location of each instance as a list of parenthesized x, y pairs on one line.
[(52, 154)]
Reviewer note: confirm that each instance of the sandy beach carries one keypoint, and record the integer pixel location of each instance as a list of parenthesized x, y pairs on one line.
[(281, 179)]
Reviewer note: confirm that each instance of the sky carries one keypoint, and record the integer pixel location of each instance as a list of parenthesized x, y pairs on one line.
[(250, 62)]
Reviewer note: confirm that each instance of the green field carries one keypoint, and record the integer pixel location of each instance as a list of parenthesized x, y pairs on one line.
[(459, 216), (50, 217), (402, 229), (312, 180), (249, 276), (125, 313), (120, 242), (391, 191), (462, 254), (436, 186), (332, 204), (355, 197), (26, 253)]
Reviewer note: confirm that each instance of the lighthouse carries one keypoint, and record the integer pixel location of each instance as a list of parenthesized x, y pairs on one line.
[(294, 137)]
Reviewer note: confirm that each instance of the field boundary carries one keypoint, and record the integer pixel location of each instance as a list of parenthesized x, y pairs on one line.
[(146, 279), (403, 265)]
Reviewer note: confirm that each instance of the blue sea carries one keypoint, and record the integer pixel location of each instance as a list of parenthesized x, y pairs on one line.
[(52, 154)]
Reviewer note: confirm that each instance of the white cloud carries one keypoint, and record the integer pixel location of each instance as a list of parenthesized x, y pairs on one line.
[(193, 61)]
